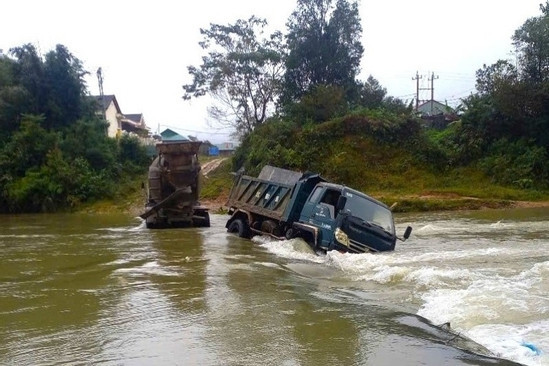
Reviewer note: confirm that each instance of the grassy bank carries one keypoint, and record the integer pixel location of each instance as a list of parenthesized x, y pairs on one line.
[(459, 190), (462, 190), (130, 198)]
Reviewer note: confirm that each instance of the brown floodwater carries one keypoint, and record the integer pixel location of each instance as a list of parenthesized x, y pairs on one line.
[(465, 289)]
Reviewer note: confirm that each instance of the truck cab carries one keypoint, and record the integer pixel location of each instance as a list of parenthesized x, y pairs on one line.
[(348, 220)]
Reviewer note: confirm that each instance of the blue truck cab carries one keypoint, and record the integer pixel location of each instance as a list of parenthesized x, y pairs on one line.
[(287, 204), (348, 220)]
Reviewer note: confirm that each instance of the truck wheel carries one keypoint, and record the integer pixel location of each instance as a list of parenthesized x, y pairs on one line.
[(238, 226), (290, 234), (310, 239), (204, 221)]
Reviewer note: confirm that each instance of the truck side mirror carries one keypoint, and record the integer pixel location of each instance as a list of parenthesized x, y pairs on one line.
[(341, 201), (407, 232)]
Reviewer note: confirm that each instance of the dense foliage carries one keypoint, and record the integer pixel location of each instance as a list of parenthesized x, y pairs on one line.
[(505, 127), (502, 133), (54, 152), (355, 149)]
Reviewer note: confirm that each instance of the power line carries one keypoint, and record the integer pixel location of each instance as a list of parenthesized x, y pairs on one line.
[(406, 95), (196, 131)]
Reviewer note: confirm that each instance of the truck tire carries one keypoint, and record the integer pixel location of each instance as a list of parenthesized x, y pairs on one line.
[(204, 221), (290, 234), (238, 226), (310, 239)]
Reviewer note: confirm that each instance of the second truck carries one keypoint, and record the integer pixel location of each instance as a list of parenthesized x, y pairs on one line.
[(174, 187), (287, 204)]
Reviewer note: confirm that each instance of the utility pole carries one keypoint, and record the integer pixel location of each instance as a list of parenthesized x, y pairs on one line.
[(417, 88), (432, 79), (101, 95)]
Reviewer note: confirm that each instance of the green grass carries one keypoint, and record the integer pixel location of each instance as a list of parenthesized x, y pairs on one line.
[(389, 175), (129, 197), (218, 182)]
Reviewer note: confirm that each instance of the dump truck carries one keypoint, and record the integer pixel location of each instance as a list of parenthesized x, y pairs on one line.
[(174, 187), (285, 204)]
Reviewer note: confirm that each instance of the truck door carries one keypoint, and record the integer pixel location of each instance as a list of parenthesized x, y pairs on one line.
[(324, 215)]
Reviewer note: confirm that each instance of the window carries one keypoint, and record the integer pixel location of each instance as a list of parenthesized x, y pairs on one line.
[(316, 194), (331, 197), (330, 201)]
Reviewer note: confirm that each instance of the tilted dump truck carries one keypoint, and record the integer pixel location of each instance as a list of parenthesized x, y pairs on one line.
[(174, 187), (287, 204)]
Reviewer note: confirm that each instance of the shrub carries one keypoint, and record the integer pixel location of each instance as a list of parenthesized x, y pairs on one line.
[(520, 163)]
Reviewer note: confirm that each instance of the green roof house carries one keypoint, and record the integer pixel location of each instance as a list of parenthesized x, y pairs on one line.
[(170, 135)]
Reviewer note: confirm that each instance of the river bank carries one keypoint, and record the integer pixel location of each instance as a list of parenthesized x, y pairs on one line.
[(217, 181), (134, 204)]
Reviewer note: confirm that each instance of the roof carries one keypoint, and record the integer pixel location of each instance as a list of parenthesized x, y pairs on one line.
[(434, 107), (170, 135), (227, 146), (106, 100), (135, 117)]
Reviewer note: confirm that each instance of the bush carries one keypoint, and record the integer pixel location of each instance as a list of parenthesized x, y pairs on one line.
[(132, 154), (520, 163), (350, 150), (56, 185)]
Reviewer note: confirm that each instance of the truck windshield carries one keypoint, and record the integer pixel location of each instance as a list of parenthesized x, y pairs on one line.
[(370, 212)]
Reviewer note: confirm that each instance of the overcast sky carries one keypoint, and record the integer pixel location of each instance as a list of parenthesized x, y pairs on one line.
[(144, 47)]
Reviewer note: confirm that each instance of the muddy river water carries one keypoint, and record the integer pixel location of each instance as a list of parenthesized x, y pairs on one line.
[(468, 288)]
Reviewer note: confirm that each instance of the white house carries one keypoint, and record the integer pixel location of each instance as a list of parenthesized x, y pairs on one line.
[(433, 108), (120, 123), (110, 110)]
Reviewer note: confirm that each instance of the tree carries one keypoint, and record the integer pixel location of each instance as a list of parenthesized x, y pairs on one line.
[(397, 105), (64, 74), (27, 147), (242, 71), (55, 86), (531, 42), (86, 139), (372, 93), (13, 99), (321, 104), (496, 77), (29, 73), (324, 47)]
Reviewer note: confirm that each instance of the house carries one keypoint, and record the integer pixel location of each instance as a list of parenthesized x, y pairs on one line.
[(432, 108), (108, 107), (135, 123), (171, 135), (435, 114), (226, 148), (205, 148)]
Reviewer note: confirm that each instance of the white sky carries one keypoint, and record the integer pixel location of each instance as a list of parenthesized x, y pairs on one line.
[(144, 47)]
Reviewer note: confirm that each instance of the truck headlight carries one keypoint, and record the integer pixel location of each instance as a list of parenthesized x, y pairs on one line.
[(341, 237)]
